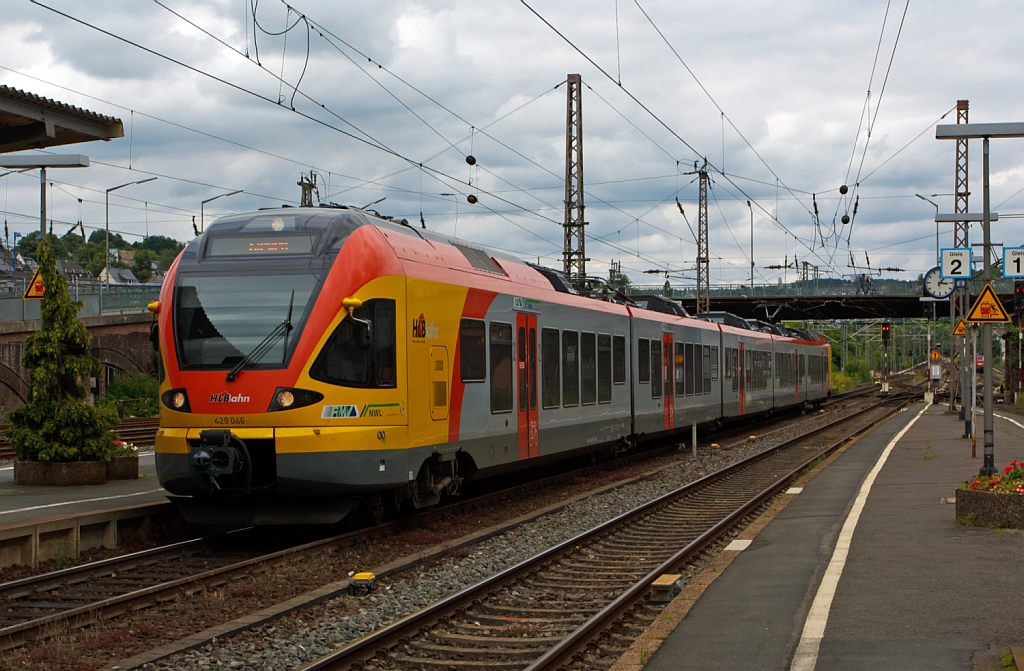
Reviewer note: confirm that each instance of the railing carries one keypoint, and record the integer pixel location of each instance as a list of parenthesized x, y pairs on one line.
[(97, 299)]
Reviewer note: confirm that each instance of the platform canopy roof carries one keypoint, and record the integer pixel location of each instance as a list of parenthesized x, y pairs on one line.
[(28, 121)]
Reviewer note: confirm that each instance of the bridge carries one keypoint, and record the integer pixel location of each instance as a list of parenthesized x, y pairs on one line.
[(770, 302)]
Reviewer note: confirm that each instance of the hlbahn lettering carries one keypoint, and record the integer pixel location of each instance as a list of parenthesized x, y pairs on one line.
[(226, 397)]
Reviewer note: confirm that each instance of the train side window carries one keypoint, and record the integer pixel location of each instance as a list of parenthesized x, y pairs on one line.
[(707, 369), (688, 369), (570, 368), (472, 350), (657, 376), (643, 360), (619, 359), (344, 362), (734, 366), (604, 368), (698, 370), (680, 369), (747, 371), (588, 367), (714, 362), (501, 367), (670, 381), (549, 354)]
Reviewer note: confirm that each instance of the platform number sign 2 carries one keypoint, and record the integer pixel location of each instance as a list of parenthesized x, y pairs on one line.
[(956, 263), (1013, 262)]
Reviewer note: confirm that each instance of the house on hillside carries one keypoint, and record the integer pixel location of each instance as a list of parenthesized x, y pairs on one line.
[(118, 276)]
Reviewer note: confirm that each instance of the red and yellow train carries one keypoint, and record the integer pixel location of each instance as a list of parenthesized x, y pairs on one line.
[(313, 359)]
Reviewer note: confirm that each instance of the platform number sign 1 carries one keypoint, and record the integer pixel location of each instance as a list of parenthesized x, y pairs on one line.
[(956, 263), (1013, 262)]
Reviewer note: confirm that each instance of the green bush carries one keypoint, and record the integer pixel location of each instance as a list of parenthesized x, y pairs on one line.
[(138, 395), (858, 370)]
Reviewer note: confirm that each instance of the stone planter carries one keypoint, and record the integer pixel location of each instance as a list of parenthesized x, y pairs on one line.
[(60, 474), (123, 468), (990, 509)]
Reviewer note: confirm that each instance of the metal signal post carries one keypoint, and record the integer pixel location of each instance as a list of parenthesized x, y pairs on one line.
[(961, 298), (703, 258)]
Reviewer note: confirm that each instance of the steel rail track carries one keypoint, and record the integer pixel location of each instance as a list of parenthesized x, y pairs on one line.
[(587, 581), (131, 582)]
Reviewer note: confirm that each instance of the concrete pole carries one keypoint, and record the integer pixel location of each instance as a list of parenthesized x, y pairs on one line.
[(989, 465), (42, 202)]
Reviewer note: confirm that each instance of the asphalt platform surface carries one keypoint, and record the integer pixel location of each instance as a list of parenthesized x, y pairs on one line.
[(22, 505), (918, 590)]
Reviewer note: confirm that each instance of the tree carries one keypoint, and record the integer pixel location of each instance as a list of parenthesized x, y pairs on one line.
[(142, 266), (57, 424)]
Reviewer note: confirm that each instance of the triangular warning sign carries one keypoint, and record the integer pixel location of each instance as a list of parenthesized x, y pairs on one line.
[(35, 289), (961, 327), (987, 309)]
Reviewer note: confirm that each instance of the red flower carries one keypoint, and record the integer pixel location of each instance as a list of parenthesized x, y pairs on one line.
[(1008, 469)]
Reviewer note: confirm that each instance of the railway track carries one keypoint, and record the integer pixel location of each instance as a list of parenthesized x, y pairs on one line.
[(138, 430), (81, 594), (580, 604)]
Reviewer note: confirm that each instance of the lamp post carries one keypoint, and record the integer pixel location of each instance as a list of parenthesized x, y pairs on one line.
[(749, 207), (107, 220), (984, 131), (929, 200), (202, 208)]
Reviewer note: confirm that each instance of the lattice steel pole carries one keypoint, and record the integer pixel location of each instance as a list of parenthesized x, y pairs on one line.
[(703, 259), (574, 257), (960, 300)]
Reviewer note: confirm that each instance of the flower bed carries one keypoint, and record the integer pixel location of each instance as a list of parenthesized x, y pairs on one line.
[(996, 501)]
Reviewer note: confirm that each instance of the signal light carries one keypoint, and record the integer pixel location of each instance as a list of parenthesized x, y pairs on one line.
[(886, 326), (290, 399)]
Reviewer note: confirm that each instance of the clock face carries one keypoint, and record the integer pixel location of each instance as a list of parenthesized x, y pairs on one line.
[(937, 287)]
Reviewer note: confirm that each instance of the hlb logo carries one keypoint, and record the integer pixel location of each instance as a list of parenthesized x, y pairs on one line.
[(421, 330), (226, 397)]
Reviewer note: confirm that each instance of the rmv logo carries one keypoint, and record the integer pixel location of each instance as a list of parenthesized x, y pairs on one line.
[(226, 397)]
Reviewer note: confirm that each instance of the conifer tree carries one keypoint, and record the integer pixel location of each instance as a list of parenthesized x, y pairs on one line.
[(57, 423)]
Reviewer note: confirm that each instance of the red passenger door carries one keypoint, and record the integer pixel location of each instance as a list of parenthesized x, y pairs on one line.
[(526, 368), (668, 359)]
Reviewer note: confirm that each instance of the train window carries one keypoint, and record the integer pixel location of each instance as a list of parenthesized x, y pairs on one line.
[(588, 367), (670, 383), (657, 375), (344, 362), (570, 368), (707, 369), (734, 368), (680, 369), (714, 362), (643, 359), (501, 367), (688, 370), (698, 370), (747, 370), (533, 368), (803, 366), (549, 358), (604, 368), (384, 337), (619, 359), (473, 350)]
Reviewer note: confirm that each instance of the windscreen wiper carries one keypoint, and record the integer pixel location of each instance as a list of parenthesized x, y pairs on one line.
[(280, 331)]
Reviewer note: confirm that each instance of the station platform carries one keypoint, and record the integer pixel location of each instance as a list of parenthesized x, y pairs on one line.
[(908, 588), (36, 523)]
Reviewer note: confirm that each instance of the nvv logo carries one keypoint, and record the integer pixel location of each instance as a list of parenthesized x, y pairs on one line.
[(339, 411), (226, 397)]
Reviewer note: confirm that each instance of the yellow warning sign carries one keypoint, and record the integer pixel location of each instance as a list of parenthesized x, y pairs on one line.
[(961, 327), (35, 289), (987, 309), (936, 355)]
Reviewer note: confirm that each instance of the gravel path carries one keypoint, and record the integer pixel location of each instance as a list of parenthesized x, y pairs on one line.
[(299, 639)]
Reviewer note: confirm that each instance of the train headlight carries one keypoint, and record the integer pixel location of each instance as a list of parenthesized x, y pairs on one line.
[(176, 399), (286, 398)]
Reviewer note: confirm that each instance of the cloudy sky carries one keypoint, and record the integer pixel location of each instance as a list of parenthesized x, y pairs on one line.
[(773, 95)]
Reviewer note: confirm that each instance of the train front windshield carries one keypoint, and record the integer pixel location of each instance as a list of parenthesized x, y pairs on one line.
[(219, 319)]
